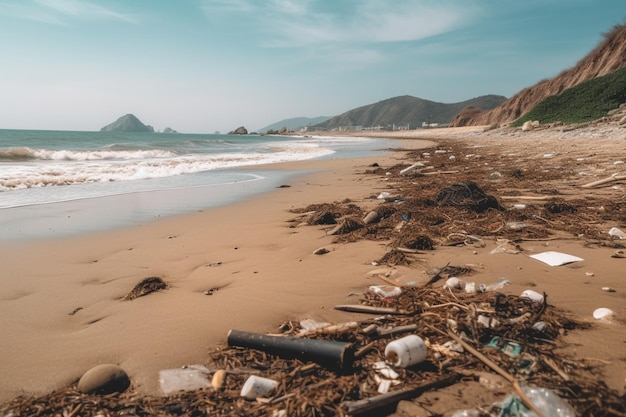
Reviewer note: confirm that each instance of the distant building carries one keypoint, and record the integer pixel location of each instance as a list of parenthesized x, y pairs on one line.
[(349, 128)]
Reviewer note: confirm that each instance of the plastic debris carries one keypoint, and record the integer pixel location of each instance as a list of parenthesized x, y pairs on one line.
[(411, 168), (505, 246), (309, 325), (509, 348), (471, 287), (515, 225), (501, 283), (189, 378), (616, 233), (466, 413), (257, 386), (406, 351), (386, 291), (545, 400), (556, 258), (385, 370), (532, 295), (487, 322), (325, 352), (604, 314)]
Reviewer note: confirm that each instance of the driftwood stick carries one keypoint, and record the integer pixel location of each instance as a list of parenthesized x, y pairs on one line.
[(527, 402), (525, 197), (439, 172), (364, 350), (359, 308), (603, 181), (396, 330), (550, 363), (437, 276), (373, 403), (387, 280)]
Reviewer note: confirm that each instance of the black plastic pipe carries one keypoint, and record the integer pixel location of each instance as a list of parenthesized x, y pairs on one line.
[(329, 353)]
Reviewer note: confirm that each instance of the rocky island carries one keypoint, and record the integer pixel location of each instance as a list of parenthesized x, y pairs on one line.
[(239, 131), (127, 123)]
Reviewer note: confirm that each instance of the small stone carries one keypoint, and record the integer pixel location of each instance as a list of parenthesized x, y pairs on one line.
[(104, 379), (320, 251)]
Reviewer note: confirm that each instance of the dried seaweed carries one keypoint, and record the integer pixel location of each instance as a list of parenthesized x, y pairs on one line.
[(145, 287)]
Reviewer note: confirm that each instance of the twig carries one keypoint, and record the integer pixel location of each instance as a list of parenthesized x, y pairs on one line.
[(387, 280), (614, 177), (358, 308), (524, 197), (365, 349), (527, 402), (362, 406), (439, 172), (396, 330), (75, 411), (550, 363), (478, 310), (437, 276)]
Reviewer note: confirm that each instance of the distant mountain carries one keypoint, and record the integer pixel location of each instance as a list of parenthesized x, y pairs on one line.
[(127, 123), (295, 123), (608, 57), (407, 110)]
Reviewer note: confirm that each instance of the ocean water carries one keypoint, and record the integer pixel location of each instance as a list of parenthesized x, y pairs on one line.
[(56, 183)]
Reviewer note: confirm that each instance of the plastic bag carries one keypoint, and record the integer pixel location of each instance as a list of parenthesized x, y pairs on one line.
[(546, 401)]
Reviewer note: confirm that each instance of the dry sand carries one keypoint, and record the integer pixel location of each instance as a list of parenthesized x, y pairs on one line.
[(61, 304)]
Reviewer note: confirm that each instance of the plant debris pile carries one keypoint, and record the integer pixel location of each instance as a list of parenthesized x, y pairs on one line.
[(477, 199), (469, 196), (502, 328), (145, 287)]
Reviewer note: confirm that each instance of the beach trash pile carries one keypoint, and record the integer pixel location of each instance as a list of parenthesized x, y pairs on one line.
[(403, 344)]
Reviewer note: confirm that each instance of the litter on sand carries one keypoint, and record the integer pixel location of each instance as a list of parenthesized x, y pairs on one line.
[(556, 258)]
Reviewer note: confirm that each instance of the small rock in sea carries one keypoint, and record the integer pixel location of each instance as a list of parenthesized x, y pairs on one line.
[(104, 379)]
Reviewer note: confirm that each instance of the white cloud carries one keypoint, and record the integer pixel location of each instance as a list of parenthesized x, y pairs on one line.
[(58, 11), (85, 10), (291, 23)]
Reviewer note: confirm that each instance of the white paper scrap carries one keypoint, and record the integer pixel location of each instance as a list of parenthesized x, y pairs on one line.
[(556, 258)]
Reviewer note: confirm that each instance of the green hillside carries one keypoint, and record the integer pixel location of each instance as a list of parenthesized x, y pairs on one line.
[(587, 101)]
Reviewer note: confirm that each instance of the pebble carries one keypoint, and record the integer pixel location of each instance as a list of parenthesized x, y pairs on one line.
[(104, 379)]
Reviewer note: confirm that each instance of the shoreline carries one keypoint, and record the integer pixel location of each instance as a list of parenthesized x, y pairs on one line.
[(84, 208), (66, 308)]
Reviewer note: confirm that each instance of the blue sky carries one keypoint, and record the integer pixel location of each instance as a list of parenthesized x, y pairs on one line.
[(200, 66)]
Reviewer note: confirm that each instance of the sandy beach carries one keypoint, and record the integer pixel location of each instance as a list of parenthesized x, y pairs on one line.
[(247, 266)]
